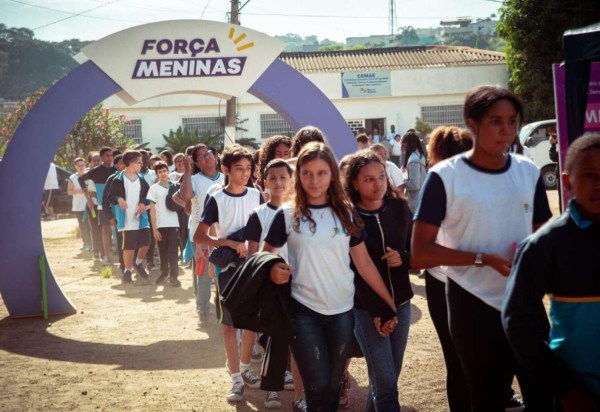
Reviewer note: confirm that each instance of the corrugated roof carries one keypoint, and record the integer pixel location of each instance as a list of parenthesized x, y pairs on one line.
[(392, 58)]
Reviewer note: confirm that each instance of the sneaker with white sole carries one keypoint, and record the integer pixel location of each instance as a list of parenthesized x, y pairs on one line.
[(272, 400), (106, 261), (299, 406), (250, 379), (288, 381), (257, 354), (236, 394)]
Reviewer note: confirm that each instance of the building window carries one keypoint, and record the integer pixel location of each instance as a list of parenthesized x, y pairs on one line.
[(449, 115), (133, 131), (214, 126), (272, 124), (356, 125)]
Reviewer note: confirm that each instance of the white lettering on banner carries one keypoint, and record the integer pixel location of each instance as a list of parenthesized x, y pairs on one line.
[(180, 46), (161, 68)]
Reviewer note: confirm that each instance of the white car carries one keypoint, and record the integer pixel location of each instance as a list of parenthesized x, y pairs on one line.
[(535, 137)]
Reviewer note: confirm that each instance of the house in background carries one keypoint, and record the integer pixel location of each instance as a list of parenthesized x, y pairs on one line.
[(370, 87)]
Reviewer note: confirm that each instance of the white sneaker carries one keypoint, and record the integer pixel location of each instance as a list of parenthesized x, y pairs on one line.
[(272, 400), (288, 381), (236, 394), (299, 406), (106, 261)]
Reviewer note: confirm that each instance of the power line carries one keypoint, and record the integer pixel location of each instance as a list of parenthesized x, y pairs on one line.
[(76, 14)]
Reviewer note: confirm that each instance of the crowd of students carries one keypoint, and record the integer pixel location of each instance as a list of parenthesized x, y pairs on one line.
[(332, 246)]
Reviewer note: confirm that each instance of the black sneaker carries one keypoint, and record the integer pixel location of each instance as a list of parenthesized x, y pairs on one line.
[(175, 283), (126, 277), (141, 271), (161, 280)]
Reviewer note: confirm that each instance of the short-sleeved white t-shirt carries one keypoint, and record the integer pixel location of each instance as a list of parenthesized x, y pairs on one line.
[(157, 194), (79, 200), (132, 197), (200, 185)]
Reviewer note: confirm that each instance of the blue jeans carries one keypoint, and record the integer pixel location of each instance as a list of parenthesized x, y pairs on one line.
[(320, 346), (384, 356)]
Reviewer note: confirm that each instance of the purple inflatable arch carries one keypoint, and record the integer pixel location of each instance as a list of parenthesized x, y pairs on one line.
[(25, 164)]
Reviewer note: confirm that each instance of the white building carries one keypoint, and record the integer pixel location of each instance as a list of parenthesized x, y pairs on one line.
[(384, 87)]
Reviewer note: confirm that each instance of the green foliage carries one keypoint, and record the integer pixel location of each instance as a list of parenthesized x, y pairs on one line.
[(248, 142), (533, 30), (422, 127), (408, 36), (332, 47), (27, 64), (179, 140), (96, 129), (9, 124)]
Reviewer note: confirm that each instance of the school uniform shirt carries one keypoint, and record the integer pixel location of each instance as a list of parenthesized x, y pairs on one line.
[(98, 177), (174, 177), (394, 174), (258, 226), (79, 200), (200, 185), (134, 192), (322, 279), (149, 177), (157, 194), (230, 211), (483, 211)]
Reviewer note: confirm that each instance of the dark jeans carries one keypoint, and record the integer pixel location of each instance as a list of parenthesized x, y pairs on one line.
[(151, 248), (96, 232), (384, 356), (485, 355), (320, 346), (456, 384), (168, 252), (84, 229)]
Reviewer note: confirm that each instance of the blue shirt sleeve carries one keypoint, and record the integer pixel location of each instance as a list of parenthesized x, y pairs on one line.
[(277, 235), (210, 214), (253, 229), (541, 208), (431, 207)]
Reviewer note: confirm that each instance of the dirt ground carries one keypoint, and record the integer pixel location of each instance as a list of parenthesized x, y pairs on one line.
[(138, 348)]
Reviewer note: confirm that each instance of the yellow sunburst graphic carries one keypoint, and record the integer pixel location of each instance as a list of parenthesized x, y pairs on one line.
[(238, 39)]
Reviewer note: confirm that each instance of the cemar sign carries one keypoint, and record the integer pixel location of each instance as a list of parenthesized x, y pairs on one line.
[(170, 57), (183, 56)]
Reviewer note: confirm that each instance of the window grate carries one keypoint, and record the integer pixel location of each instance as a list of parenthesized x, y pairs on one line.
[(133, 130), (272, 124), (449, 115), (355, 125), (214, 126)]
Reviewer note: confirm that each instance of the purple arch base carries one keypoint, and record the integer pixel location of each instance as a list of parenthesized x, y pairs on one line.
[(25, 164)]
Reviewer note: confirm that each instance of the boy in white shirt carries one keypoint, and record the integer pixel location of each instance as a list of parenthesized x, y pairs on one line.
[(165, 226)]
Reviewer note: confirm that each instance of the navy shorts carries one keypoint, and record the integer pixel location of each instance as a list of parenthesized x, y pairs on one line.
[(135, 239), (222, 312)]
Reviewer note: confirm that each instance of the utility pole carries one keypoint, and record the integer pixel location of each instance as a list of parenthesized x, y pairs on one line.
[(392, 16), (230, 109)]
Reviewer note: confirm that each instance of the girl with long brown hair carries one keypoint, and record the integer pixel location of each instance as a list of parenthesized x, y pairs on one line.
[(322, 230)]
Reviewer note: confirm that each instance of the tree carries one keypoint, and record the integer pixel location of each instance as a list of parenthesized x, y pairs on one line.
[(96, 129), (26, 64), (533, 30), (332, 47), (179, 140), (422, 127), (407, 36)]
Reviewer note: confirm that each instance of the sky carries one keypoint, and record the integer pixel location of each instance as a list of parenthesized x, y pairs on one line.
[(56, 20)]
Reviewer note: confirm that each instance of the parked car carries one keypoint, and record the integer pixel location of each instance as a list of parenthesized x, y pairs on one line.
[(535, 137)]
